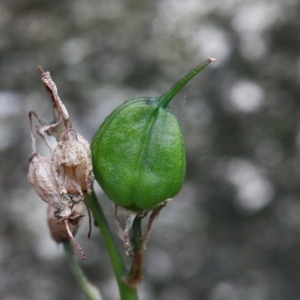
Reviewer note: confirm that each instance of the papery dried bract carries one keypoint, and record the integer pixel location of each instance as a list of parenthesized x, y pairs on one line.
[(41, 178), (58, 230), (72, 165)]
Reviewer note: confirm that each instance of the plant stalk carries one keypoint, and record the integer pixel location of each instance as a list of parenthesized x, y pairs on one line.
[(91, 292), (126, 292), (135, 275)]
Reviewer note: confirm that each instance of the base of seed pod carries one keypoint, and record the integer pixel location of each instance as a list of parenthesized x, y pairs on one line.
[(123, 234), (64, 230), (154, 215), (128, 217), (135, 275)]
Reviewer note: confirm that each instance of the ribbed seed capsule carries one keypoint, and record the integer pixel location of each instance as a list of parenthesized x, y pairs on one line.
[(138, 152)]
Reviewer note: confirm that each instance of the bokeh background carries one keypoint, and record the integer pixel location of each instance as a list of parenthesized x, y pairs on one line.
[(233, 232)]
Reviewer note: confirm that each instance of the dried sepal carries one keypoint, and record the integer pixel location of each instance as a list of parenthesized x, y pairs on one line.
[(154, 215), (128, 217), (72, 165), (135, 276), (124, 219)]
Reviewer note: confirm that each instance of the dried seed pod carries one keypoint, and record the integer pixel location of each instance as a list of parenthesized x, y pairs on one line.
[(138, 151), (61, 180), (71, 158), (42, 181), (72, 165), (41, 178), (58, 230)]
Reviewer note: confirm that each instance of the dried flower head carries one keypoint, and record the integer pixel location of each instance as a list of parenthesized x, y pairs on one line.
[(71, 158), (41, 178), (61, 180), (72, 165)]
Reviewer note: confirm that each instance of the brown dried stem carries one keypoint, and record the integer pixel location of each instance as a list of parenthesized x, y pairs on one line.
[(73, 239), (33, 143), (52, 90), (139, 242), (48, 128), (136, 275), (154, 215)]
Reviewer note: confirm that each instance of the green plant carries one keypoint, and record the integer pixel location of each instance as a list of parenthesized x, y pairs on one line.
[(139, 160)]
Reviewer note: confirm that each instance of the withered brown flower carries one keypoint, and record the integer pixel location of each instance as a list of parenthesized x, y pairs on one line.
[(72, 165), (41, 178), (61, 180)]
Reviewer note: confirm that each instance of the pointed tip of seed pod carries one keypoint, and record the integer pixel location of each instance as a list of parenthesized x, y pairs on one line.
[(165, 99), (210, 59)]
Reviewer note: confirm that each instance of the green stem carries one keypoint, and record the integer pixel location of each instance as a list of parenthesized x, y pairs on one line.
[(90, 290), (137, 233), (135, 275), (126, 292), (165, 99)]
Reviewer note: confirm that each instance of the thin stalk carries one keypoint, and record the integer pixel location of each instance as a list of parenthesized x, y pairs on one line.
[(126, 292), (165, 99), (89, 290), (137, 233), (135, 275)]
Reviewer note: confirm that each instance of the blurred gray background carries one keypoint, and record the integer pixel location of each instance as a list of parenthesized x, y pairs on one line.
[(233, 232)]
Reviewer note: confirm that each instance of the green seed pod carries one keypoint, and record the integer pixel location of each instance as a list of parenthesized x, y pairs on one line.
[(138, 152)]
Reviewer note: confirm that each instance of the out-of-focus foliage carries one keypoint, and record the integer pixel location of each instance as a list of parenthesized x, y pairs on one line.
[(234, 230)]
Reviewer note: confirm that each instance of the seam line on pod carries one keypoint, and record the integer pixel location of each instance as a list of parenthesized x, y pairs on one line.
[(146, 141)]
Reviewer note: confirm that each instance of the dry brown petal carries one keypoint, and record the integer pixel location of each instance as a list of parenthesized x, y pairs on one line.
[(72, 165), (41, 178)]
